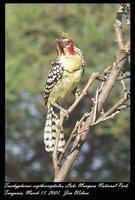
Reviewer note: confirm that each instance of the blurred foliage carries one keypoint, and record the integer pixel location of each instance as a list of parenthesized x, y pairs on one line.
[(31, 30)]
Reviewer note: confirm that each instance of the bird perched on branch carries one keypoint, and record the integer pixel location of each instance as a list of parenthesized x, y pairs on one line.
[(63, 77)]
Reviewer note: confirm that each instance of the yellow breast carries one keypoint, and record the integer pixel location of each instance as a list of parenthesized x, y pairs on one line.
[(71, 62), (72, 74)]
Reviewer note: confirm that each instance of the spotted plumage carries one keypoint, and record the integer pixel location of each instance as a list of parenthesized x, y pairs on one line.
[(53, 76)]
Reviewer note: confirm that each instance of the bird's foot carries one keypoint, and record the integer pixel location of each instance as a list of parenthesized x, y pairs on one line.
[(61, 109)]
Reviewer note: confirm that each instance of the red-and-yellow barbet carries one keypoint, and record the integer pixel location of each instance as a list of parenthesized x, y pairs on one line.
[(63, 77)]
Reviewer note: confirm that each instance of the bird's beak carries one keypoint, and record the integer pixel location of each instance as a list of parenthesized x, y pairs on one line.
[(60, 42), (60, 45)]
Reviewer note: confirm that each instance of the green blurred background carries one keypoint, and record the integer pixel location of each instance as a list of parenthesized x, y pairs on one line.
[(31, 30)]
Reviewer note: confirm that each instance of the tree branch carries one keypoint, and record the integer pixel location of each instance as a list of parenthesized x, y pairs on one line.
[(83, 127), (84, 92), (114, 110), (60, 177), (118, 27), (119, 78)]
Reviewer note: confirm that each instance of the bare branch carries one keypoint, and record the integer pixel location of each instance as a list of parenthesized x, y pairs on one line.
[(119, 78), (84, 92), (120, 105), (66, 166), (82, 128), (117, 67), (118, 27), (69, 140), (75, 130)]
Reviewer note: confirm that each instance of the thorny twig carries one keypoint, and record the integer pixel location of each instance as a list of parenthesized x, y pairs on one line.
[(95, 101), (120, 105), (79, 131), (119, 78)]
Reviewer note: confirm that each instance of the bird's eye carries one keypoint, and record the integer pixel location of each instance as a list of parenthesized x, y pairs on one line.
[(67, 42)]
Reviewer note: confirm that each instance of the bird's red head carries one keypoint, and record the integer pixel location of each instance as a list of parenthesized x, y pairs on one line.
[(64, 46)]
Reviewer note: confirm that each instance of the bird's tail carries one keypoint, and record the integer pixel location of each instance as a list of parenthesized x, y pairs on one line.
[(51, 130)]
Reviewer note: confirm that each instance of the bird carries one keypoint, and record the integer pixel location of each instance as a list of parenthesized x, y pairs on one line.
[(63, 77)]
